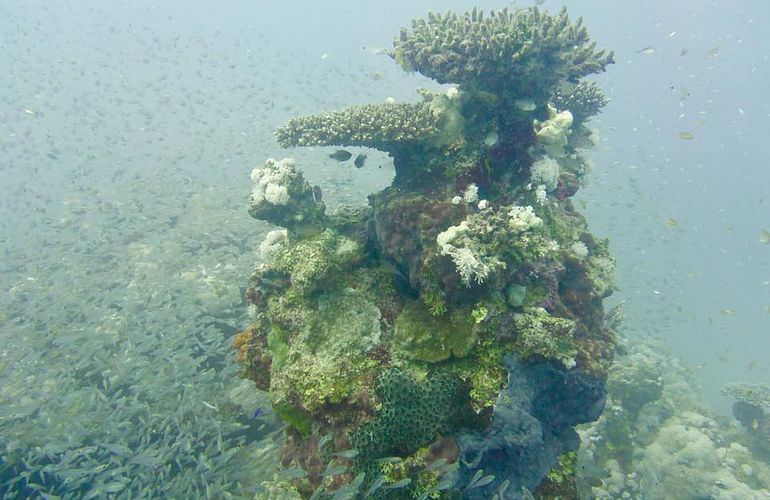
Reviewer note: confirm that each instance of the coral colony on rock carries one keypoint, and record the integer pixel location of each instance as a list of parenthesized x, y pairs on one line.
[(656, 438), (443, 341)]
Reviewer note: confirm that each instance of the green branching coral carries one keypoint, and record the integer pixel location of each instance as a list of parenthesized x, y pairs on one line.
[(560, 480), (519, 52), (583, 100), (380, 126), (483, 372)]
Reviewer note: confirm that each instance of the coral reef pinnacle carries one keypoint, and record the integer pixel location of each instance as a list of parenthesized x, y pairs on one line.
[(457, 318)]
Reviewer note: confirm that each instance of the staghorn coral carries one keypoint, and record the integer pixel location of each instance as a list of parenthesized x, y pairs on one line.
[(524, 53), (583, 100)]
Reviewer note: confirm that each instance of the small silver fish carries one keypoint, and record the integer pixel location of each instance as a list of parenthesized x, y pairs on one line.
[(647, 51)]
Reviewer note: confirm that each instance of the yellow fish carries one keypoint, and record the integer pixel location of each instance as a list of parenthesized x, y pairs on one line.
[(687, 136), (671, 222), (712, 53), (765, 237)]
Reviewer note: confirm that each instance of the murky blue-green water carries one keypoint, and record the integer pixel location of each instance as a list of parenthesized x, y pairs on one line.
[(127, 134)]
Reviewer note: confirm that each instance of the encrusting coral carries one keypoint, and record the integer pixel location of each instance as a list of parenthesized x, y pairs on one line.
[(458, 318)]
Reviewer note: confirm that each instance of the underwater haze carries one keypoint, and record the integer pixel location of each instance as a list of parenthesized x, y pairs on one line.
[(127, 134)]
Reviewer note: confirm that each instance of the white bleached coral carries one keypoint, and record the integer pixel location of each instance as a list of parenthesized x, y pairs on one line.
[(472, 265), (545, 171), (471, 194), (282, 196), (552, 134), (579, 250), (523, 218), (489, 240), (274, 242), (270, 182)]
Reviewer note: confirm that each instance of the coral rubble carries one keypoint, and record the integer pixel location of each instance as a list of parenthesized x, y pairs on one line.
[(457, 319), (656, 439)]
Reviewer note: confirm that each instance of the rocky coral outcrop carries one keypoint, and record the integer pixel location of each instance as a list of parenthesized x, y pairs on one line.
[(446, 339)]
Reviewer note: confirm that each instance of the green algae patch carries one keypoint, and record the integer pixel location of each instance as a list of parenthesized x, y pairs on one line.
[(293, 418), (484, 373), (327, 362), (550, 337), (418, 334), (309, 262)]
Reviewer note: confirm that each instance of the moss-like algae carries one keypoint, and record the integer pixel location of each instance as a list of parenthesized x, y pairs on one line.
[(546, 336), (420, 335)]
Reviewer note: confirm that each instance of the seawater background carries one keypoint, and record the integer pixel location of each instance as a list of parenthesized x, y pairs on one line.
[(127, 133)]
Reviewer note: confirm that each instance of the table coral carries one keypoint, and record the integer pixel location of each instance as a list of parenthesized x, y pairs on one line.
[(522, 52)]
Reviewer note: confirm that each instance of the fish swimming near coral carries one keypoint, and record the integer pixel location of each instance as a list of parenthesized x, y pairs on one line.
[(341, 155), (360, 160)]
